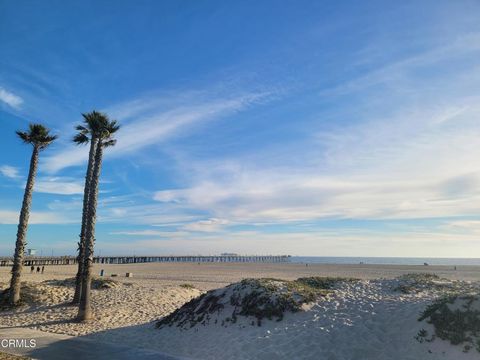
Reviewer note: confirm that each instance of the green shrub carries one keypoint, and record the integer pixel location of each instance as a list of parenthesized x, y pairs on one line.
[(456, 319), (187, 286)]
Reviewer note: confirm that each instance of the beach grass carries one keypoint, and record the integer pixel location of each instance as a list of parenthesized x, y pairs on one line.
[(5, 356), (455, 319), (261, 298)]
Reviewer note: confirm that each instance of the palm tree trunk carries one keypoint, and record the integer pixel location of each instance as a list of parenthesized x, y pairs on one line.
[(22, 230), (81, 244), (84, 310)]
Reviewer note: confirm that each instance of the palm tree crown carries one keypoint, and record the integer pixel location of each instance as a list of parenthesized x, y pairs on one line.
[(37, 135), (96, 125)]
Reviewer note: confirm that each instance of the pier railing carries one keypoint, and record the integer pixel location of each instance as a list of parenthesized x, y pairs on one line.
[(70, 260)]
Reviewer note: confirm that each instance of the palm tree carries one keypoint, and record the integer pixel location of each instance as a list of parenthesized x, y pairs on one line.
[(39, 137), (89, 132), (110, 127)]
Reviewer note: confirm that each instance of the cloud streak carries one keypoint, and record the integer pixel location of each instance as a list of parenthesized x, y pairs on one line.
[(10, 172), (48, 185), (412, 155), (59, 185), (10, 99), (156, 127), (36, 217)]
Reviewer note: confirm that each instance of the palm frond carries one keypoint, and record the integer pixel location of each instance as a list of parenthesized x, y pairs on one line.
[(109, 143), (24, 136), (113, 127), (46, 141), (82, 129), (80, 139)]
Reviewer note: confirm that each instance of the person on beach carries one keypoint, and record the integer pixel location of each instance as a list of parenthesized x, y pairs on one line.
[(31, 269), (38, 269), (43, 269)]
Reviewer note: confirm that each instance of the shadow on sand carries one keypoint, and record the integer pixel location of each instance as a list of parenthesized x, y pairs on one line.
[(97, 346)]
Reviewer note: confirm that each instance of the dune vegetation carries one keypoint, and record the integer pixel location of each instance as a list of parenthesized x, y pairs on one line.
[(253, 299)]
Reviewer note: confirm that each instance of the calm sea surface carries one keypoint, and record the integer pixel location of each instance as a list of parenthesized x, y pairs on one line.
[(384, 260)]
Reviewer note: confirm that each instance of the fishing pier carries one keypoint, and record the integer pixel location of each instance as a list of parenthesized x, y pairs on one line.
[(71, 260)]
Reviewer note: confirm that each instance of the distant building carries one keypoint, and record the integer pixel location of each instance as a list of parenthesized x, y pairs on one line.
[(31, 252)]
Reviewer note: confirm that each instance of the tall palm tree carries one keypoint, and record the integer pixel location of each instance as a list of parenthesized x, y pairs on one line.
[(39, 137), (89, 132), (105, 140)]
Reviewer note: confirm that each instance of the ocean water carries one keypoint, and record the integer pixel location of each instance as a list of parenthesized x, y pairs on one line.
[(384, 260)]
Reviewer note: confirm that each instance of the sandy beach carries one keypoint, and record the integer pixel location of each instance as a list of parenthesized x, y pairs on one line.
[(206, 276), (338, 327)]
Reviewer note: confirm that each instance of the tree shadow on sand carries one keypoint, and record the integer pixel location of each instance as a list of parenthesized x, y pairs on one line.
[(107, 344)]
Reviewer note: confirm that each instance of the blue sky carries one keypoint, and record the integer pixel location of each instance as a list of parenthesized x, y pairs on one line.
[(298, 127)]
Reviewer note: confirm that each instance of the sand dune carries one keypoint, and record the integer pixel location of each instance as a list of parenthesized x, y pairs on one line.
[(366, 319)]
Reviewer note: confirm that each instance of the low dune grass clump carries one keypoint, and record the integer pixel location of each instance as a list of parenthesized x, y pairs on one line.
[(187, 286), (259, 299), (454, 318), (416, 282), (31, 294), (5, 356), (420, 277), (49, 292)]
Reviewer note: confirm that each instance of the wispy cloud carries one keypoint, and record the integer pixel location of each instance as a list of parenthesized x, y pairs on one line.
[(147, 214), (45, 184), (10, 172), (209, 225), (36, 217), (276, 198), (10, 98), (406, 153), (397, 73), (59, 185), (165, 234), (156, 125), (372, 171)]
